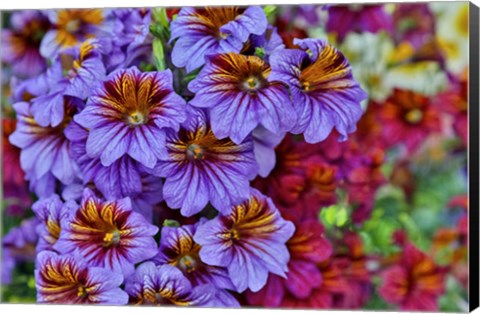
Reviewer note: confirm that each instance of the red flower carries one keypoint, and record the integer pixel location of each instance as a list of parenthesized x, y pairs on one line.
[(333, 284), (455, 102), (301, 182), (354, 268), (15, 187), (407, 118), (414, 283), (307, 247)]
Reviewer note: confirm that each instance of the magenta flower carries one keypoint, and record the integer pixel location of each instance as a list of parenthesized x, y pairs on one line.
[(415, 283), (108, 234), (358, 18), (249, 242), (240, 96), (307, 247), (324, 92), (67, 279), (201, 168), (128, 115), (165, 284)]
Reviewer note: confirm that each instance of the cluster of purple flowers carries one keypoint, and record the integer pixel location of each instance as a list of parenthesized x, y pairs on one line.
[(105, 141)]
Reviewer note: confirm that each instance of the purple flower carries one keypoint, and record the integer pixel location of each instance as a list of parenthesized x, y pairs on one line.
[(264, 45), (201, 168), (85, 71), (165, 285), (240, 96), (67, 279), (250, 242), (43, 186), (48, 107), (324, 91), (128, 115), (177, 248), (264, 143), (124, 178), (44, 150), (76, 72), (51, 212), (25, 90), (108, 234), (8, 265), (21, 43), (131, 38), (213, 30), (21, 240), (71, 27), (360, 18)]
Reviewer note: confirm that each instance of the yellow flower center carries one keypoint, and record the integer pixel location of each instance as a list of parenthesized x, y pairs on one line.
[(234, 234), (72, 26), (187, 263), (136, 118), (195, 152), (111, 238), (82, 292), (306, 86), (414, 116), (252, 84)]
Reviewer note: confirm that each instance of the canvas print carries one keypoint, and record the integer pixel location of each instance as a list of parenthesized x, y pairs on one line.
[(294, 156)]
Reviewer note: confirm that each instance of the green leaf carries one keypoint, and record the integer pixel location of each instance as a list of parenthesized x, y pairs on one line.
[(334, 216), (341, 217), (171, 223), (269, 10), (260, 52), (160, 16), (159, 54)]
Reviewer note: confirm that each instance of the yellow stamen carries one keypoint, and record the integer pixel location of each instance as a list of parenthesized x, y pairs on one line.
[(306, 86), (195, 152), (234, 234), (414, 116), (72, 26), (187, 263), (136, 118), (82, 292), (111, 238)]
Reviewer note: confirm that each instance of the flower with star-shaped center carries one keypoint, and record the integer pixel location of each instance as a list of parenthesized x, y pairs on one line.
[(212, 30), (71, 27), (165, 284), (50, 212), (45, 150), (21, 42), (124, 178), (237, 90), (201, 168), (324, 92), (177, 248), (250, 242), (408, 118), (74, 73), (128, 115), (68, 279), (307, 247), (108, 234), (415, 282)]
